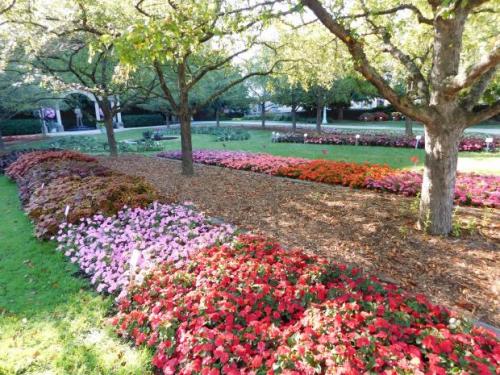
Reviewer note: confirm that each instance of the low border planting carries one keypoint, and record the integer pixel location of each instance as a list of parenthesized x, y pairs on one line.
[(471, 189), (385, 140)]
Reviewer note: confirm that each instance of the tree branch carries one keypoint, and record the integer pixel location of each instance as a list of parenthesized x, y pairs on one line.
[(362, 65), (484, 114), (478, 89), (232, 84), (164, 86), (464, 80)]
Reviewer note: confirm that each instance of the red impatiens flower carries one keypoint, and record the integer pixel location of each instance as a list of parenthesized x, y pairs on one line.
[(253, 308)]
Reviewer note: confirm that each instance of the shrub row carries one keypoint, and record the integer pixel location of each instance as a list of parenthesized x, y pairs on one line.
[(267, 310), (136, 121), (471, 189), (52, 182), (20, 126), (368, 139)]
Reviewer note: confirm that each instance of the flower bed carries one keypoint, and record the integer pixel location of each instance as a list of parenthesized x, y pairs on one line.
[(471, 189), (8, 158), (262, 163), (102, 246), (28, 160), (85, 197), (41, 174), (335, 172), (269, 310), (372, 139)]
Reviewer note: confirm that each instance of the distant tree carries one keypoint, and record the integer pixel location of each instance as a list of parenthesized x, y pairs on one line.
[(289, 94), (349, 89)]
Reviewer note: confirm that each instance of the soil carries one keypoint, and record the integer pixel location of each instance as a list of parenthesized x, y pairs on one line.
[(371, 230)]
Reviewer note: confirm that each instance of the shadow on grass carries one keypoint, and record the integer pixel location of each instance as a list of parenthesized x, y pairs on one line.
[(51, 321)]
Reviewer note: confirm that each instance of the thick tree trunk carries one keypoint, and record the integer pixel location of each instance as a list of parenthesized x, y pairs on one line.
[(438, 187), (217, 116), (294, 118), (408, 126), (263, 114), (186, 144), (341, 113), (319, 110)]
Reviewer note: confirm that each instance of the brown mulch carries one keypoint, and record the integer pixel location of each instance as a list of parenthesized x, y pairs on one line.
[(372, 230)]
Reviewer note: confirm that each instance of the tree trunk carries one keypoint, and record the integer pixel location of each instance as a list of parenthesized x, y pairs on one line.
[(2, 143), (438, 187), (341, 113), (408, 126), (217, 116), (263, 113), (186, 144), (110, 133), (294, 118), (167, 120), (319, 110)]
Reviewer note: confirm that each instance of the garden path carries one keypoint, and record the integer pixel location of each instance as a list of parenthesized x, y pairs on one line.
[(368, 229)]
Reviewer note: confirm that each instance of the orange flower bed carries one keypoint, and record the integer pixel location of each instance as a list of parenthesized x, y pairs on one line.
[(335, 172)]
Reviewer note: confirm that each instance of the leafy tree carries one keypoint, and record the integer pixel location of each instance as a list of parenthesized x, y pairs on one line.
[(449, 50), (290, 94), (186, 40), (348, 89)]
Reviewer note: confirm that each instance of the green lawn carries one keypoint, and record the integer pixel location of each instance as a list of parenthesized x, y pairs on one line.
[(260, 141), (51, 322)]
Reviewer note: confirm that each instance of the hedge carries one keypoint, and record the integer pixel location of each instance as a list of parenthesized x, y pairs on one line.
[(20, 126), (136, 121)]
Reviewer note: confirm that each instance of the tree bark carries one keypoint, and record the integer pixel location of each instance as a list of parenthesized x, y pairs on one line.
[(341, 113), (408, 126), (438, 186), (186, 144), (294, 118), (217, 116), (319, 109), (263, 114), (108, 124)]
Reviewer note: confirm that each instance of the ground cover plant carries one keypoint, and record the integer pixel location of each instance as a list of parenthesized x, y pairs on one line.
[(85, 197), (385, 140), (471, 189), (28, 160), (41, 174), (270, 310), (262, 163), (103, 246), (218, 134), (6, 159), (50, 320)]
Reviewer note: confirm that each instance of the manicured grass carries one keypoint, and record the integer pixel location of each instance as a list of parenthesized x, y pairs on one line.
[(260, 141), (51, 321)]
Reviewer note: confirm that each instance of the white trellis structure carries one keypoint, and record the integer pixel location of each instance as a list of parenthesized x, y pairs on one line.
[(113, 100)]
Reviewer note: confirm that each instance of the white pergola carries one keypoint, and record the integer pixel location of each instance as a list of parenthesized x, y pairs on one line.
[(113, 100)]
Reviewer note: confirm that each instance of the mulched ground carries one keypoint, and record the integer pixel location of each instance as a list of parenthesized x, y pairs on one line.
[(374, 231)]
